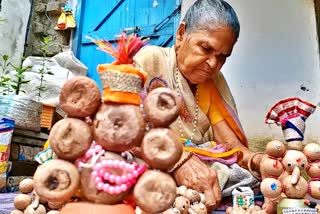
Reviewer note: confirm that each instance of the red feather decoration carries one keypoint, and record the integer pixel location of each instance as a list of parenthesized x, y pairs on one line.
[(126, 48)]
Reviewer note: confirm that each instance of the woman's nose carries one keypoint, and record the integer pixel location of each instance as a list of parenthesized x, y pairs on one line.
[(212, 61)]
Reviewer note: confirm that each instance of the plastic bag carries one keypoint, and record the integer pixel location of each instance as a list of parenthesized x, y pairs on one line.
[(6, 131)]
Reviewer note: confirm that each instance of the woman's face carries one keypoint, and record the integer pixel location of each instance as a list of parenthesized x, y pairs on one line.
[(201, 54)]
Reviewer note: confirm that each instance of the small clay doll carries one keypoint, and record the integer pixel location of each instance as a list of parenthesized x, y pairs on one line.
[(26, 186), (312, 152), (193, 196), (182, 204), (295, 186), (188, 201), (291, 115), (40, 209), (22, 201), (291, 181), (272, 165), (198, 208)]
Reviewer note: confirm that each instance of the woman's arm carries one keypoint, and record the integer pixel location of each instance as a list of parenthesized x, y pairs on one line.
[(224, 135)]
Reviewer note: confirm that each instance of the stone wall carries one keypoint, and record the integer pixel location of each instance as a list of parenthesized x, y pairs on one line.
[(45, 14)]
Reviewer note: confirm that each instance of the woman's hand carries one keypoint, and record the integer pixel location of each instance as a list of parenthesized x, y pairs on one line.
[(196, 175)]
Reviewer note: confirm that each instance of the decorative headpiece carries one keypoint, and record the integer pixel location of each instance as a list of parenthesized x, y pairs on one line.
[(121, 81), (291, 114)]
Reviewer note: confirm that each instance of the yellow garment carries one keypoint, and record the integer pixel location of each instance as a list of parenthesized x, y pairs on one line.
[(208, 105)]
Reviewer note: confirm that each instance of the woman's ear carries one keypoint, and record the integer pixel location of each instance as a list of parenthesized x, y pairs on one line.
[(180, 33)]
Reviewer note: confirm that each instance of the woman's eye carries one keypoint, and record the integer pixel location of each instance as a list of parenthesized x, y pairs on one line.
[(206, 49)]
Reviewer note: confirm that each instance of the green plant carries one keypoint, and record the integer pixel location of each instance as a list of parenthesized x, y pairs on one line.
[(20, 79), (9, 84), (4, 79), (45, 45)]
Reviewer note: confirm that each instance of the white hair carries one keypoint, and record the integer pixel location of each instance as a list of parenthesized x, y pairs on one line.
[(211, 14)]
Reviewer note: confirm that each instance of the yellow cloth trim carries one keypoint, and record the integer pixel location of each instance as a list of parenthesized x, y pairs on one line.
[(214, 114), (212, 154), (46, 145)]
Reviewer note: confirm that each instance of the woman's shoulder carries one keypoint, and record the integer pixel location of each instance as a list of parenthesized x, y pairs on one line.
[(151, 51), (153, 60)]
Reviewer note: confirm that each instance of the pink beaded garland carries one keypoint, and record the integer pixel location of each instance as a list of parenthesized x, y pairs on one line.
[(116, 184)]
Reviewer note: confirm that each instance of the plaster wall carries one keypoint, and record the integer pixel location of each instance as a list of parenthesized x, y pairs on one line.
[(13, 29), (276, 57)]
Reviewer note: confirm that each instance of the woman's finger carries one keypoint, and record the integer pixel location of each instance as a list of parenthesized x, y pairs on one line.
[(211, 202), (217, 191)]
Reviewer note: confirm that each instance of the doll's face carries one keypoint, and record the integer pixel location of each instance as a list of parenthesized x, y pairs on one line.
[(313, 170), (182, 204), (312, 151), (294, 158)]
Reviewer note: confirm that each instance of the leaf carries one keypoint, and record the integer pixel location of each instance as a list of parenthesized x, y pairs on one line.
[(6, 79), (28, 67), (14, 87), (25, 81), (5, 57), (19, 76), (50, 73)]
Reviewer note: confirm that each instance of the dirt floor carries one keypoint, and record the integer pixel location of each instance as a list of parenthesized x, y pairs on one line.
[(258, 144)]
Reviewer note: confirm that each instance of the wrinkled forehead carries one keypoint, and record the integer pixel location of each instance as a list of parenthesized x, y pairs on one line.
[(222, 39)]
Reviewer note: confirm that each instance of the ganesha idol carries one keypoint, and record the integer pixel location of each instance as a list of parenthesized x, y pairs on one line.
[(283, 184), (90, 149)]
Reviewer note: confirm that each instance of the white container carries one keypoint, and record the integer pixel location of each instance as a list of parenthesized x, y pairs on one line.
[(243, 197)]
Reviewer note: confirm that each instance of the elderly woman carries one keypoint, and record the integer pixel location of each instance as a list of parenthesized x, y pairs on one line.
[(204, 40)]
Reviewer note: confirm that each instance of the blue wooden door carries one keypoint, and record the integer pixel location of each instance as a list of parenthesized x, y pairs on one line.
[(106, 19)]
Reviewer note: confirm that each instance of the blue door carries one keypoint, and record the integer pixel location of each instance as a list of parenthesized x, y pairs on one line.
[(106, 19)]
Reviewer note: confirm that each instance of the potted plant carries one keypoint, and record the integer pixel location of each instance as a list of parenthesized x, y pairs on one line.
[(13, 104)]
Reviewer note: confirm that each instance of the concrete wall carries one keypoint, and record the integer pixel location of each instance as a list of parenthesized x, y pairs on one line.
[(13, 30), (276, 57)]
